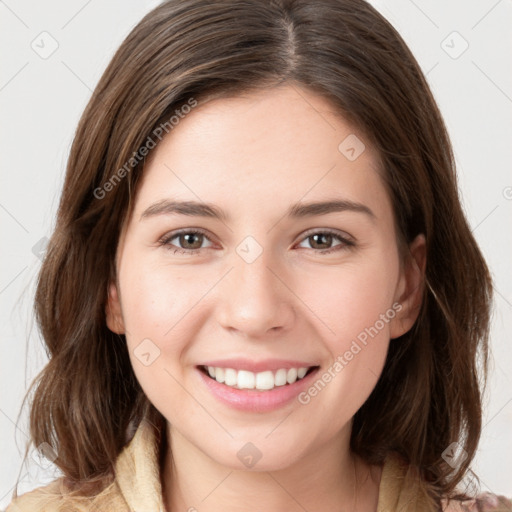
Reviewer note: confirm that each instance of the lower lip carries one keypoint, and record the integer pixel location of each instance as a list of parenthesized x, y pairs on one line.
[(253, 400)]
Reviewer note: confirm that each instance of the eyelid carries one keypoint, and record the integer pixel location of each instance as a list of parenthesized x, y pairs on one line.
[(173, 234), (344, 237), (346, 241)]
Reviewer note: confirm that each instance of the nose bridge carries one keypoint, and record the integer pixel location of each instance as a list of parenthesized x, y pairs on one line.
[(254, 300)]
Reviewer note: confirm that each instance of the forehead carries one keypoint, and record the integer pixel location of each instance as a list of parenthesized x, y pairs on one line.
[(269, 147)]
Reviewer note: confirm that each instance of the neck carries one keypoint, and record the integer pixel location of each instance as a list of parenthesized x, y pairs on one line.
[(330, 479)]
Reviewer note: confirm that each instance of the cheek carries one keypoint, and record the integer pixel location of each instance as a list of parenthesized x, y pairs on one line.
[(158, 311), (354, 306), (358, 312), (351, 298), (156, 298)]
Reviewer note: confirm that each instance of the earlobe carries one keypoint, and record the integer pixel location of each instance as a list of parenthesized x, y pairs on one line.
[(113, 311), (410, 288)]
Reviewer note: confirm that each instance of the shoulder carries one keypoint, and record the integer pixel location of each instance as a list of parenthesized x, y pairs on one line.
[(47, 498), (56, 497), (485, 502)]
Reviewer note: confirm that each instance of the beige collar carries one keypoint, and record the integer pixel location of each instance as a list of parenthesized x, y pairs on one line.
[(138, 477)]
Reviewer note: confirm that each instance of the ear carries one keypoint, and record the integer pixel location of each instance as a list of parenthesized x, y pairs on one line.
[(113, 311), (410, 287)]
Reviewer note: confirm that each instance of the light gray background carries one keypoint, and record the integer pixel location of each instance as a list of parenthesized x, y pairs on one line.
[(41, 100)]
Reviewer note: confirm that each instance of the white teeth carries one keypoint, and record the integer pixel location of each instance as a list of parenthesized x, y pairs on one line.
[(301, 372), (264, 380), (280, 377), (229, 377), (291, 376), (243, 379), (219, 374)]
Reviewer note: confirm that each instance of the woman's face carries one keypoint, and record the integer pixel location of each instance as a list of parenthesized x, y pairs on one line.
[(270, 283)]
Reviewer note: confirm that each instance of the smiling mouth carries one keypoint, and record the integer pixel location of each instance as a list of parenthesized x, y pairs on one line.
[(260, 381)]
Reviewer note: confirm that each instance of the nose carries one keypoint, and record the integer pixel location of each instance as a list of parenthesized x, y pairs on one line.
[(254, 300)]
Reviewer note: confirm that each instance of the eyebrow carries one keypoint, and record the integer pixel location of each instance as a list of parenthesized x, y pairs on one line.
[(297, 210)]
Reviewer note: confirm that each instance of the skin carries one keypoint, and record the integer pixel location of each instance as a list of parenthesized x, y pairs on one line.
[(253, 156)]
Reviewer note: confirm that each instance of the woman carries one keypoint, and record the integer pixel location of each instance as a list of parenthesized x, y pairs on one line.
[(320, 343)]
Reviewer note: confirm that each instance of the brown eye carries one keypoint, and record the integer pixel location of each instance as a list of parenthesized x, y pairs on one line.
[(322, 241), (190, 241)]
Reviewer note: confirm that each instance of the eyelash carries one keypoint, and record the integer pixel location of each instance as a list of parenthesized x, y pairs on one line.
[(166, 239)]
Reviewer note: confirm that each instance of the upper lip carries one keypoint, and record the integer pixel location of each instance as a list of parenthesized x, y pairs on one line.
[(258, 366)]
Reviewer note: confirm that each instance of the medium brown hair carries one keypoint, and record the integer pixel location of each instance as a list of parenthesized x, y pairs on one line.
[(429, 395)]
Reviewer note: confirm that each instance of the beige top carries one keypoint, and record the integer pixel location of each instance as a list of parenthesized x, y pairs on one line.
[(137, 487)]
